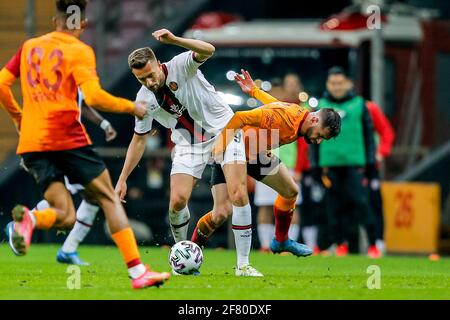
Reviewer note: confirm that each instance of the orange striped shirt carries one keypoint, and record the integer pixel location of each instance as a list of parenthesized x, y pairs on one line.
[(274, 124), (279, 124), (51, 68)]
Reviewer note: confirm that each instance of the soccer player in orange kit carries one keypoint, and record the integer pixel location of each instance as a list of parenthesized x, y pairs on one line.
[(274, 124), (53, 143)]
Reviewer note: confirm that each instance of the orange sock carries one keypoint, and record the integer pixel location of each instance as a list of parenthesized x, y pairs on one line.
[(285, 204), (283, 210), (205, 225), (126, 242), (45, 219)]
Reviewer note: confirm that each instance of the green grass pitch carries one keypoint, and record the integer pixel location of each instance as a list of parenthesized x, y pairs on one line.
[(38, 276)]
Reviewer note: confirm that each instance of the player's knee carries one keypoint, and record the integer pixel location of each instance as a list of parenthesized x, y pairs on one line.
[(68, 222), (290, 192), (239, 196), (102, 191), (178, 201)]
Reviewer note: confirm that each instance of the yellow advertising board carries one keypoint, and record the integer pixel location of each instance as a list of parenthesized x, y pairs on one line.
[(411, 217)]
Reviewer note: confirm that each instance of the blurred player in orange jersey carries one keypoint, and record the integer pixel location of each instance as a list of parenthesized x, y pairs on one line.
[(266, 128), (9, 103), (53, 143), (288, 154), (86, 212)]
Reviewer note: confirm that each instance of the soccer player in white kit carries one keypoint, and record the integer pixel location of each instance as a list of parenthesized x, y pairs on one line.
[(180, 98)]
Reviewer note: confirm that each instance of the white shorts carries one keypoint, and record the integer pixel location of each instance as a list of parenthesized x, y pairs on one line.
[(192, 159), (235, 150), (265, 196), (73, 188)]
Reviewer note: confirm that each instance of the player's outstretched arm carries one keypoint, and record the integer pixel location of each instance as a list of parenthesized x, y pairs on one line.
[(134, 154), (97, 98), (203, 50), (95, 117), (249, 87), (7, 98)]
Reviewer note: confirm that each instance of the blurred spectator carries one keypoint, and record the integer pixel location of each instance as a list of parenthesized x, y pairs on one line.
[(384, 137), (292, 86), (345, 162), (155, 179), (112, 17)]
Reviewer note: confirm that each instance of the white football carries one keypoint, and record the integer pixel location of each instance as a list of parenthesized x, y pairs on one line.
[(185, 257)]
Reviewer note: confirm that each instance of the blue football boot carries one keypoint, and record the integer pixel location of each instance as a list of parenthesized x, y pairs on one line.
[(297, 249), (70, 258)]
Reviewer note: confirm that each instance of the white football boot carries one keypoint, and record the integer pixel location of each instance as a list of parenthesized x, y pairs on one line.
[(247, 270)]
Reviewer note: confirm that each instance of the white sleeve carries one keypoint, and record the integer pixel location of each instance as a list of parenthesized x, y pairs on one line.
[(186, 63), (143, 126)]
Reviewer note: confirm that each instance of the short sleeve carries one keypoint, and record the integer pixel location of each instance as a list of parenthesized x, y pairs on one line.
[(84, 68), (144, 126), (186, 63), (13, 65)]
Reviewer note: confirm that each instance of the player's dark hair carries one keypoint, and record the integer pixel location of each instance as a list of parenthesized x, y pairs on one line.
[(139, 58), (63, 5), (332, 121), (336, 70)]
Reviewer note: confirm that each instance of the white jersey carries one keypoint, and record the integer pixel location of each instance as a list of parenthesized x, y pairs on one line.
[(187, 103)]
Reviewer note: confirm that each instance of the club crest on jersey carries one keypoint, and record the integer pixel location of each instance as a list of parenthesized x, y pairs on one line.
[(173, 86)]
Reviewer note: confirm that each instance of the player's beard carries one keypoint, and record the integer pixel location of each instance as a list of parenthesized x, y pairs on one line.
[(153, 89), (307, 135)]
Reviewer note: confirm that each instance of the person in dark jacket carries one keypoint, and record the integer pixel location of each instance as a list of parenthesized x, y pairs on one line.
[(344, 162)]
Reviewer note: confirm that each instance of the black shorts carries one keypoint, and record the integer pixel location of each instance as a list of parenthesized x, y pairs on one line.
[(258, 169), (81, 166)]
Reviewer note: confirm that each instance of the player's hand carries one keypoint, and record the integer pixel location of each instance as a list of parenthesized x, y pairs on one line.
[(218, 157), (245, 81), (218, 150), (110, 133), (164, 36), (140, 109), (121, 190)]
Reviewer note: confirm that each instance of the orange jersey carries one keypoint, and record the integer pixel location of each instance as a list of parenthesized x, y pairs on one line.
[(51, 68), (266, 128), (280, 124)]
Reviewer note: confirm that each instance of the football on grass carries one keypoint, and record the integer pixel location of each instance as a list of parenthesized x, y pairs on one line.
[(185, 257)]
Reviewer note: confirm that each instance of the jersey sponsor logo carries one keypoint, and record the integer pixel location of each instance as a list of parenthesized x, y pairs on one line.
[(173, 86), (169, 102), (177, 110)]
